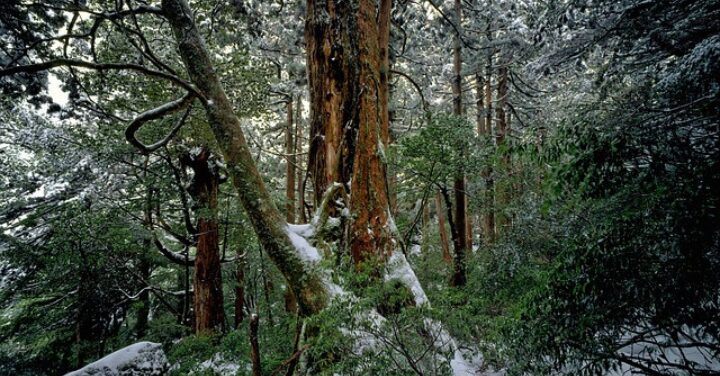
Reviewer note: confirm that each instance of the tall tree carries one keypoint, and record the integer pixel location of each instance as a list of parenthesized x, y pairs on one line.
[(207, 280), (332, 74), (459, 277), (488, 217), (501, 131), (372, 232)]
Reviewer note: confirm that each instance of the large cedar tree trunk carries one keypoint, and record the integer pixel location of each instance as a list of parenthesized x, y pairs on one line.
[(347, 58), (371, 231), (332, 78)]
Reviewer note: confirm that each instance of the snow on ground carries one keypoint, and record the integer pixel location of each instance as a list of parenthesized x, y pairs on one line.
[(142, 358), (663, 352), (220, 366), (465, 362)]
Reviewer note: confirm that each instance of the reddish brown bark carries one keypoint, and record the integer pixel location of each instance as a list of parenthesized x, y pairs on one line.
[(384, 57), (371, 231), (207, 281), (332, 84), (444, 241)]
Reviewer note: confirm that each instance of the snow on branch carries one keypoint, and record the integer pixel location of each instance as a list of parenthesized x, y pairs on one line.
[(157, 113)]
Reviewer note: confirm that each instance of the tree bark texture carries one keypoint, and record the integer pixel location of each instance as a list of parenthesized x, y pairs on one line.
[(332, 78), (347, 51), (371, 232), (267, 221), (207, 281), (444, 241)]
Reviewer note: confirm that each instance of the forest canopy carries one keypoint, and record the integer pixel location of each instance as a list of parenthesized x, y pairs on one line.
[(364, 187)]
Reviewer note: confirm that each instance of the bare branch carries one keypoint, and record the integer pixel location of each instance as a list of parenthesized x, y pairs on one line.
[(62, 62), (175, 257), (157, 113)]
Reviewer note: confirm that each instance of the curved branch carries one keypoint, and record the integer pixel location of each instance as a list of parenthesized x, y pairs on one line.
[(175, 257), (415, 84), (62, 62), (157, 113), (165, 227)]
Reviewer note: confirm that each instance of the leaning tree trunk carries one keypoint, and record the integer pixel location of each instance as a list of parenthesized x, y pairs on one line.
[(207, 281), (459, 276), (266, 219)]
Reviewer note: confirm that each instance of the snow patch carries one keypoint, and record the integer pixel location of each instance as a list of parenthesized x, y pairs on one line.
[(399, 269), (219, 366), (415, 250), (304, 230), (142, 358), (305, 251)]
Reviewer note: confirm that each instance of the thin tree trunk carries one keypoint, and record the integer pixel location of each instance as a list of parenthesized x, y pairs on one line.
[(489, 213), (459, 277), (444, 241), (255, 346), (143, 313), (301, 172), (266, 219), (291, 163), (501, 141), (240, 289), (425, 225), (144, 266)]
